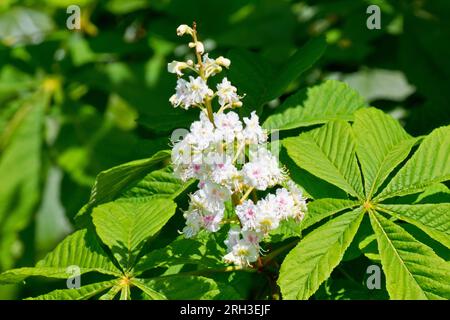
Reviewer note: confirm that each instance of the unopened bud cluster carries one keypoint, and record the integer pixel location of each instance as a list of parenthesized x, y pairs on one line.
[(230, 159)]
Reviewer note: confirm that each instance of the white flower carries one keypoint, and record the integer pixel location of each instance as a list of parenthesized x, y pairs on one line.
[(263, 170), (181, 94), (200, 200), (215, 192), (252, 236), (228, 126), (190, 93), (253, 133), (227, 93), (254, 175), (211, 222), (247, 212), (193, 223), (183, 29), (241, 252), (181, 152), (285, 204), (201, 133), (225, 173), (197, 91), (267, 218), (234, 234), (299, 200)]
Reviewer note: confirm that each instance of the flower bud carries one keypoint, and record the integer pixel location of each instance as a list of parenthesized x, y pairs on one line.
[(199, 47), (223, 61), (183, 29), (176, 67)]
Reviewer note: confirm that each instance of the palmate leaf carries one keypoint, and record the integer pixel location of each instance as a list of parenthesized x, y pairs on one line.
[(381, 144), (316, 255), (328, 153), (332, 100), (434, 219), (429, 164), (81, 249), (124, 225), (82, 293), (413, 270)]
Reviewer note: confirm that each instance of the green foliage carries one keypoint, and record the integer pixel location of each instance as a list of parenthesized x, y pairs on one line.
[(313, 259), (124, 225), (329, 101), (413, 270), (85, 105), (380, 145)]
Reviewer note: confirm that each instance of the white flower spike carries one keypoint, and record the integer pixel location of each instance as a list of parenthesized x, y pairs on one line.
[(211, 153)]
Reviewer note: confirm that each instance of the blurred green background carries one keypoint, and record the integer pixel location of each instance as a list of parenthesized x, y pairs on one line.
[(76, 102)]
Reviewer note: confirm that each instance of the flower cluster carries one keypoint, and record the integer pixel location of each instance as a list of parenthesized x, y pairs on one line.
[(231, 161)]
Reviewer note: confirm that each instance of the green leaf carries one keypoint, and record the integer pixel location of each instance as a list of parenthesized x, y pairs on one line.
[(80, 249), (148, 291), (181, 251), (20, 172), (111, 294), (433, 219), (315, 256), (332, 100), (429, 164), (157, 184), (125, 293), (191, 287), (323, 208), (435, 193), (298, 63), (413, 270), (256, 78), (381, 144), (249, 73), (18, 275), (110, 183), (82, 293), (124, 225), (328, 153)]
